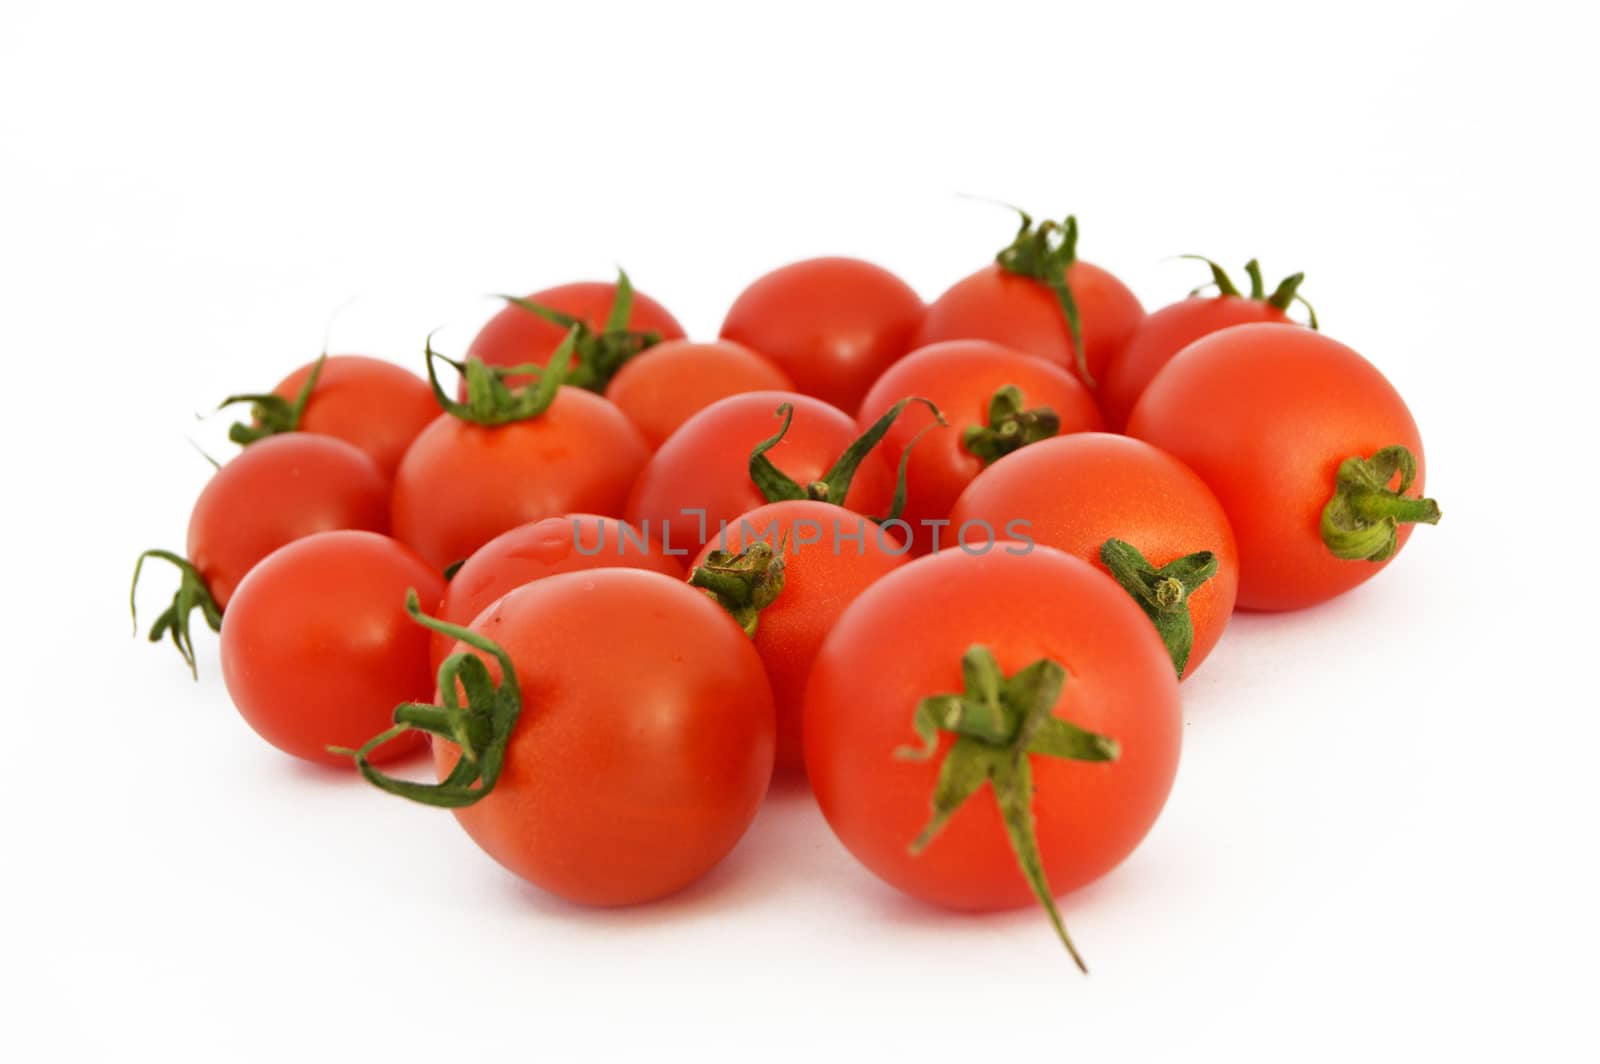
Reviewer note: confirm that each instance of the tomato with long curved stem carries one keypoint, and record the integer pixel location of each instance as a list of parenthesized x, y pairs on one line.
[(317, 648), (605, 735), (727, 460), (832, 324), (1027, 670), (509, 455), (1165, 332), (274, 492), (613, 323), (568, 544), (676, 379), (996, 400), (1311, 451), (375, 405), (1038, 297), (787, 571), (1132, 510)]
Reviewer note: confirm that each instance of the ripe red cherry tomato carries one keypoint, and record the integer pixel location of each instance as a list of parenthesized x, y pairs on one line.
[(530, 552), (1077, 492), (506, 457), (965, 379), (317, 648), (1102, 747), (1172, 328), (375, 405), (1023, 312), (274, 492), (642, 749), (705, 466), (1308, 448), (672, 381), (517, 335), (832, 324), (828, 557)]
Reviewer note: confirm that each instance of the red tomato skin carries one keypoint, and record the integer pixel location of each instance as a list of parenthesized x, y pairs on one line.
[(832, 324), (1078, 491), (820, 579), (1265, 413), (1023, 314), (646, 745), (375, 405), (902, 641), (275, 491), (568, 544), (705, 465), (672, 381), (515, 336), (461, 484), (1161, 336), (317, 648), (961, 377)]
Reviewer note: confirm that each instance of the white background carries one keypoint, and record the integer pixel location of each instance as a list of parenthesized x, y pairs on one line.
[(1382, 839)]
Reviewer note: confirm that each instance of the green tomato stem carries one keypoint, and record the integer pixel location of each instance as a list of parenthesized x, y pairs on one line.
[(998, 723)]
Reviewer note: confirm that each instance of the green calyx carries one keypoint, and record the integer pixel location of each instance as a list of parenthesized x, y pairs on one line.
[(1010, 427), (597, 354), (271, 414), (1162, 593), (777, 486), (481, 727), (1362, 521), (192, 594), (490, 400), (1287, 292), (744, 584), (997, 723), (1045, 253)]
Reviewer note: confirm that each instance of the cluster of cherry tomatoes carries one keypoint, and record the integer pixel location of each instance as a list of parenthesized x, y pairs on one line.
[(615, 578)]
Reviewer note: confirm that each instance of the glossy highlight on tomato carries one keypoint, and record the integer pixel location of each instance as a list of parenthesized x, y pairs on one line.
[(1076, 492), (699, 479), (1267, 414), (646, 742), (376, 405), (515, 336), (832, 324), (1165, 332), (1022, 301), (829, 556), (317, 649), (962, 378), (904, 639), (671, 382), (568, 544), (461, 484)]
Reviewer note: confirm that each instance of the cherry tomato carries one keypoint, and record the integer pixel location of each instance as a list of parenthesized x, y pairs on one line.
[(672, 381), (375, 405), (966, 379), (1038, 641), (517, 335), (700, 477), (461, 484), (1011, 303), (832, 324), (1313, 454), (317, 649), (828, 556), (534, 551), (1169, 330), (1077, 492), (642, 748), (272, 493)]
